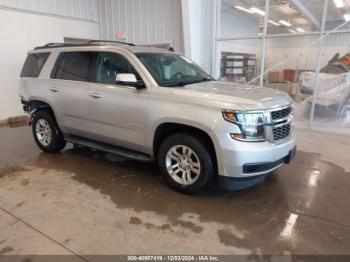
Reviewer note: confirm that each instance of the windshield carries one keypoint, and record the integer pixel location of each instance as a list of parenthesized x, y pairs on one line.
[(173, 69)]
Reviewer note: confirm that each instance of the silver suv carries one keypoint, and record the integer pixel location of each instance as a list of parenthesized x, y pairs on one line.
[(152, 104)]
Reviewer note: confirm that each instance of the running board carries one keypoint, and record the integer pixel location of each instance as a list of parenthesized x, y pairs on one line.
[(109, 148)]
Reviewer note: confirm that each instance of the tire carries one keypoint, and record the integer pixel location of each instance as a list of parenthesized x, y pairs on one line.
[(193, 175), (46, 133)]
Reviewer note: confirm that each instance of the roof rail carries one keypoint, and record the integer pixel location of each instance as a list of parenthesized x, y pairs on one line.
[(92, 42), (54, 45), (108, 41)]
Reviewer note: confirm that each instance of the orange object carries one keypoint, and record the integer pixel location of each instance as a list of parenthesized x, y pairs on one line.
[(346, 61)]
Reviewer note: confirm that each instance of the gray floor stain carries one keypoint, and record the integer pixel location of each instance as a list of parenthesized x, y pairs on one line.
[(229, 239), (9, 170), (20, 204), (190, 225), (164, 227), (135, 221), (6, 250), (25, 182), (67, 241)]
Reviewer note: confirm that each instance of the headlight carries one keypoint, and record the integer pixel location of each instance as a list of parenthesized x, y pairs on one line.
[(251, 125)]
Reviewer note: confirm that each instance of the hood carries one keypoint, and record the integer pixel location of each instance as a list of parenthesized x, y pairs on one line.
[(235, 96)]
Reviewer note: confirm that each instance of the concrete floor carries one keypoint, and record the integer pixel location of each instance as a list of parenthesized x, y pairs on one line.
[(83, 202)]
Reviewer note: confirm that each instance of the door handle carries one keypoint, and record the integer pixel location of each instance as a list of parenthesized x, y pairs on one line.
[(54, 89), (95, 95)]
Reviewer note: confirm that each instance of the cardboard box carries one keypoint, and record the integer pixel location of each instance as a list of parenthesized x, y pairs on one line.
[(273, 76), (18, 119)]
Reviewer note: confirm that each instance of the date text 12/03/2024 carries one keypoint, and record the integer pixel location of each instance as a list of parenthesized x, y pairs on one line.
[(173, 258)]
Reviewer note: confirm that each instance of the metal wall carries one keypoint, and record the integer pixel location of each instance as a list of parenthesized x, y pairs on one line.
[(75, 9), (143, 21)]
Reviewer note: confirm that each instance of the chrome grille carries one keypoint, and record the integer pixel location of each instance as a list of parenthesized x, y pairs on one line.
[(281, 123), (279, 114), (281, 132)]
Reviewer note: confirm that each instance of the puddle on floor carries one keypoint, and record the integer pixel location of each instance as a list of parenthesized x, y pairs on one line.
[(257, 219)]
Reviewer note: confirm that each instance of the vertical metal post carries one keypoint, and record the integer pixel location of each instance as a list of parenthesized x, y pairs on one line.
[(99, 4), (216, 55), (264, 44), (318, 67)]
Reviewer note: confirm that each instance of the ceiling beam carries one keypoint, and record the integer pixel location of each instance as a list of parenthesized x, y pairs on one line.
[(302, 9)]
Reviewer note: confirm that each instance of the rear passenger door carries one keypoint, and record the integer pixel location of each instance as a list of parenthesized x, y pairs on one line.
[(72, 76), (117, 113)]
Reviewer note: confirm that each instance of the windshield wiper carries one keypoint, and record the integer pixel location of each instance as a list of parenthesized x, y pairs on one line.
[(180, 83), (205, 79), (184, 83)]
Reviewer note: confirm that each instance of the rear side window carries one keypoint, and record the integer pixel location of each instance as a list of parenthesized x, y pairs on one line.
[(75, 66), (33, 64)]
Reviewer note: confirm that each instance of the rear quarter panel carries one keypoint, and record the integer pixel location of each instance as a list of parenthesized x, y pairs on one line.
[(38, 88)]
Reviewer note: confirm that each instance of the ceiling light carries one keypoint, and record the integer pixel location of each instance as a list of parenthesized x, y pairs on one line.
[(257, 11), (339, 3), (244, 9), (292, 31), (300, 30), (284, 23), (273, 22), (347, 17)]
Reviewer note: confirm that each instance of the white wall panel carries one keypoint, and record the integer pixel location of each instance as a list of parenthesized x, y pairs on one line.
[(143, 21), (16, 40), (76, 9)]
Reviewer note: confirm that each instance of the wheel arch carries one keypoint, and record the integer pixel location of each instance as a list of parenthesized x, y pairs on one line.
[(37, 104), (166, 129)]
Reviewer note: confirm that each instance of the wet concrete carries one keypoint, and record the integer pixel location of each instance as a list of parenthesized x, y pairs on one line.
[(97, 203)]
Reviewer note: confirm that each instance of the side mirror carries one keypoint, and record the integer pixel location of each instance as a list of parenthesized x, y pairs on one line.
[(129, 80)]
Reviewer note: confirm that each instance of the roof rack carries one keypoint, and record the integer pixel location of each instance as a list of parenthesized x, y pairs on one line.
[(56, 45), (92, 42), (108, 41)]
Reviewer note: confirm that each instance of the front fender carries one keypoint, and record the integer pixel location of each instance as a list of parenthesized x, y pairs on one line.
[(190, 123)]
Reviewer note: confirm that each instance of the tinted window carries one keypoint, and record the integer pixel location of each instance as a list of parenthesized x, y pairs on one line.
[(109, 65), (33, 64), (170, 69), (76, 66)]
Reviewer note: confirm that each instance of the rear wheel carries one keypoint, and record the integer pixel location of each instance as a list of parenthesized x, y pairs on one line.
[(186, 164), (46, 132)]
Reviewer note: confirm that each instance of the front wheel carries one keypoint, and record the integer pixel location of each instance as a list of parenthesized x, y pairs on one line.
[(186, 164), (46, 133)]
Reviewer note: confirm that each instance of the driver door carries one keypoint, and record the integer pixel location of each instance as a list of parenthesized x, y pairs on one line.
[(117, 113)]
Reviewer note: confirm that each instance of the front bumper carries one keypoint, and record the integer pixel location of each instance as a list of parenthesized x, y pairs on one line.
[(239, 183), (268, 166), (244, 159)]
